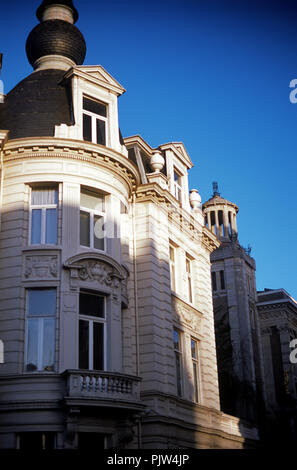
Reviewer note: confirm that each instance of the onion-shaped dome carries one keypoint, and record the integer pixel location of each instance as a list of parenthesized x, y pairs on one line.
[(56, 37)]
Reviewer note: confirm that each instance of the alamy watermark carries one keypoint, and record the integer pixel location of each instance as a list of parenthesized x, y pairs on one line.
[(293, 93)]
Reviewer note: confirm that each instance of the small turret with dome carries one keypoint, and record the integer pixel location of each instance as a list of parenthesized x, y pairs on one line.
[(220, 215)]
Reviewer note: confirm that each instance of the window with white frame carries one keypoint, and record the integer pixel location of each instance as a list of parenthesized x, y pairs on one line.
[(172, 267), (177, 185), (94, 121), (92, 218), (195, 364), (178, 359), (41, 330), (189, 278), (92, 331), (43, 215)]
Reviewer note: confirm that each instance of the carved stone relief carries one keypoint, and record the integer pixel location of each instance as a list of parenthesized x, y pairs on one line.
[(41, 267), (102, 274), (183, 313)]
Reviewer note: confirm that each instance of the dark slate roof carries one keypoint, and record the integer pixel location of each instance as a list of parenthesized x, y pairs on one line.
[(56, 37), (36, 105), (46, 3)]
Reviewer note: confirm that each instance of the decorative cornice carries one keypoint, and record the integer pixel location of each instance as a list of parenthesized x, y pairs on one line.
[(47, 147), (176, 214), (209, 240)]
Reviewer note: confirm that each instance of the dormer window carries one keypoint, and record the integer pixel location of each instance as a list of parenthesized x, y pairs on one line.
[(94, 121), (177, 185)]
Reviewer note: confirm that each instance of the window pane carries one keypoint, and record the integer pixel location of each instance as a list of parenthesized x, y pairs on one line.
[(87, 128), (214, 280), (171, 251), (222, 280), (91, 304), (32, 345), (83, 362), (178, 374), (48, 356), (101, 138), (44, 196), (190, 290), (188, 266), (51, 226), (176, 339), (84, 228), (195, 378), (92, 200), (36, 227), (98, 346), (94, 107), (98, 232), (42, 302), (194, 348)]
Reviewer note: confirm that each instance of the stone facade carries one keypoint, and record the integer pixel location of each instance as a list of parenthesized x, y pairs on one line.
[(239, 349), (106, 310), (278, 319)]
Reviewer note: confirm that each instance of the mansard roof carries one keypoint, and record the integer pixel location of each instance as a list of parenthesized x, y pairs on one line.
[(36, 105)]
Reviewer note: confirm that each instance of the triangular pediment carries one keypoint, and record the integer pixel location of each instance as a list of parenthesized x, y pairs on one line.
[(179, 149), (98, 74)]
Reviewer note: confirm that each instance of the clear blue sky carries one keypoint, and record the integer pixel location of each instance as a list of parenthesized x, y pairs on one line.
[(215, 75)]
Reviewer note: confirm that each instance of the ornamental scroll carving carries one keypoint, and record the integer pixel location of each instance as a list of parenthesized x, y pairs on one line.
[(41, 267), (101, 274), (183, 313)]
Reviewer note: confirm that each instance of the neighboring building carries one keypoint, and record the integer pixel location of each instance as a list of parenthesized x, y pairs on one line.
[(277, 312), (106, 309), (238, 341)]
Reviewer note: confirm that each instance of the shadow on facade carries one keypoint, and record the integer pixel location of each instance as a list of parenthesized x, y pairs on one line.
[(147, 395)]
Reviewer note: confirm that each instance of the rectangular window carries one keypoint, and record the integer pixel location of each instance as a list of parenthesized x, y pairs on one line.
[(94, 121), (178, 360), (189, 279), (194, 352), (92, 324), (41, 330), (177, 185), (214, 280), (92, 218), (44, 215), (172, 267), (222, 280)]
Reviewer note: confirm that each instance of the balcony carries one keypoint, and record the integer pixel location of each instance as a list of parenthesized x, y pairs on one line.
[(97, 388)]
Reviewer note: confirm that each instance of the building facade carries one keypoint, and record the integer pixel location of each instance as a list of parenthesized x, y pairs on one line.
[(237, 326), (106, 311), (277, 312)]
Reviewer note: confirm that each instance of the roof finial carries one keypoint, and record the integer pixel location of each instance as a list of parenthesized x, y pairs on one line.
[(215, 188)]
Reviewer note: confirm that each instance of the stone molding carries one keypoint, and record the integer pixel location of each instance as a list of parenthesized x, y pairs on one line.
[(43, 147), (102, 271)]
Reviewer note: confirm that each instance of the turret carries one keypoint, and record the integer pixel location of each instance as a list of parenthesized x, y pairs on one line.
[(220, 215)]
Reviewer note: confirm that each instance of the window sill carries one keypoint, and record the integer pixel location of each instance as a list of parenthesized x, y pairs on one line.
[(42, 247)]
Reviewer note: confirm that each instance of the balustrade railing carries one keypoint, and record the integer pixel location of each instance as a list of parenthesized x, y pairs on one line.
[(102, 384)]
